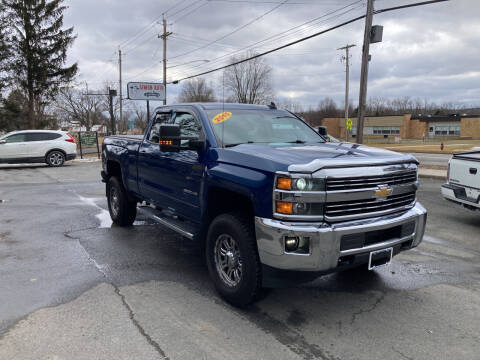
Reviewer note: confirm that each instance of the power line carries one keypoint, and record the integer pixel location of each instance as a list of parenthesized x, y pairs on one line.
[(303, 39), (154, 22), (275, 49), (128, 51), (259, 2), (408, 6), (301, 27), (173, 7), (186, 7), (232, 32), (188, 13)]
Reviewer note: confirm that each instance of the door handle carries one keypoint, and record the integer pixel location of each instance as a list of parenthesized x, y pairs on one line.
[(473, 171), (143, 151)]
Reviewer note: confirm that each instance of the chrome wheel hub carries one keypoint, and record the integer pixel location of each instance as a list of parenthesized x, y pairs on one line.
[(56, 159), (228, 261), (114, 201)]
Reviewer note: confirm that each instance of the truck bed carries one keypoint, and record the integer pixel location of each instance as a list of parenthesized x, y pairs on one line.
[(472, 156)]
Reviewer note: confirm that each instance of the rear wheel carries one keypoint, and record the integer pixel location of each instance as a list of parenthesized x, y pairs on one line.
[(122, 210), (232, 259), (55, 158)]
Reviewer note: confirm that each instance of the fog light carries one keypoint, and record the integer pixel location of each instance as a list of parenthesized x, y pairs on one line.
[(291, 243)]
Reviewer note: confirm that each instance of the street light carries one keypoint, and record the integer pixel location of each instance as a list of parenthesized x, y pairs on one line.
[(193, 61)]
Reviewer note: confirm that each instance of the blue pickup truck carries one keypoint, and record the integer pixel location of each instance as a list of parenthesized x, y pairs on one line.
[(268, 198)]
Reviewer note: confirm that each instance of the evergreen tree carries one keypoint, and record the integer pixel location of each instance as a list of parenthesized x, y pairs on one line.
[(39, 44), (4, 50)]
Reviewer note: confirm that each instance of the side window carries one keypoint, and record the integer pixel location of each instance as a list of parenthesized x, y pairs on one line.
[(155, 130), (15, 138), (189, 127), (41, 136)]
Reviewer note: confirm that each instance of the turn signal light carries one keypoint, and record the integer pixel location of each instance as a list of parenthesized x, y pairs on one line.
[(284, 207), (284, 183), (165, 142)]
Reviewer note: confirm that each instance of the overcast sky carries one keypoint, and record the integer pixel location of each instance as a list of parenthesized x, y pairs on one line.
[(428, 52)]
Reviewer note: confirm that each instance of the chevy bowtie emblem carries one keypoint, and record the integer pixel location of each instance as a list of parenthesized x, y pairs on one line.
[(383, 191)]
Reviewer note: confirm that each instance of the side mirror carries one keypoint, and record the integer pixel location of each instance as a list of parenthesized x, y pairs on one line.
[(3, 142), (169, 138), (322, 130), (196, 144)]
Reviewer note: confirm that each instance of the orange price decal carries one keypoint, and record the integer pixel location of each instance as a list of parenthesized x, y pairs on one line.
[(221, 117)]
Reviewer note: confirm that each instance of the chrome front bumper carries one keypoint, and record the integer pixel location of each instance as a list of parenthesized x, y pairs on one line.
[(325, 239)]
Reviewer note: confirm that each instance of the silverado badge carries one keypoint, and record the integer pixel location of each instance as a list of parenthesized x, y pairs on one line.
[(383, 191)]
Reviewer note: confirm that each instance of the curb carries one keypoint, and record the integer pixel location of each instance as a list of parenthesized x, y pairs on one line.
[(432, 176)]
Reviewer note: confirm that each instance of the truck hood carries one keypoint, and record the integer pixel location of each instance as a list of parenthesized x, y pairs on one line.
[(309, 157)]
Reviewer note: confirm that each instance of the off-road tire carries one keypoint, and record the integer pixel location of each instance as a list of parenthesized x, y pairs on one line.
[(123, 211), (55, 158), (241, 230)]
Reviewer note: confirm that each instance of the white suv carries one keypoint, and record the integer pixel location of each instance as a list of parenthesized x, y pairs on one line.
[(37, 146)]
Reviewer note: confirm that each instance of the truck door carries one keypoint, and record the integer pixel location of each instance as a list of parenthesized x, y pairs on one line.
[(186, 168), (153, 181)]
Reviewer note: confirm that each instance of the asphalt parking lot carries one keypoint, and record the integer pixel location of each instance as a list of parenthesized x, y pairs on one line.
[(74, 287)]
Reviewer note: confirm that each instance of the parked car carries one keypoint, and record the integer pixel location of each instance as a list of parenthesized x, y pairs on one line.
[(271, 201), (37, 146), (463, 180)]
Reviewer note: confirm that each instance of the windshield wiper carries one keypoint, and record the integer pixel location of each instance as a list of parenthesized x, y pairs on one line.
[(296, 142), (232, 145)]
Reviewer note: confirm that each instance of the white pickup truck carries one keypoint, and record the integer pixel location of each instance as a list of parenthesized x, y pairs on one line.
[(463, 180)]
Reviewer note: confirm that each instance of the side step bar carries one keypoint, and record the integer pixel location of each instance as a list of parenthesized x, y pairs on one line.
[(181, 227)]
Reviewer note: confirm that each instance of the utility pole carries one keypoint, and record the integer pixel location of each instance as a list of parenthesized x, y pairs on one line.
[(347, 77), (120, 81), (164, 38), (364, 74), (111, 94)]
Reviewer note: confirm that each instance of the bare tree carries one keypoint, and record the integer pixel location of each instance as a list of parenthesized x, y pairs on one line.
[(249, 82), (196, 90), (77, 108), (140, 117)]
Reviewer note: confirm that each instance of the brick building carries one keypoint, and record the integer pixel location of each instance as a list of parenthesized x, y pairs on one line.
[(453, 126)]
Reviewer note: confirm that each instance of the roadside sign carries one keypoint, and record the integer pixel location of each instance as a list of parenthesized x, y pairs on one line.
[(88, 139), (145, 91), (349, 124)]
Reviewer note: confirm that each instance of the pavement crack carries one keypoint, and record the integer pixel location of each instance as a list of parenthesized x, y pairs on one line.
[(291, 338), (369, 309), (141, 330), (134, 321), (402, 354)]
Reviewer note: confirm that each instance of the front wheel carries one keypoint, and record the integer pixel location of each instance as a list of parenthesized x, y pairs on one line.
[(232, 258), (55, 158), (122, 210)]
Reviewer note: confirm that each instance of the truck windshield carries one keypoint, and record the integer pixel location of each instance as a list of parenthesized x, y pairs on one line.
[(233, 127)]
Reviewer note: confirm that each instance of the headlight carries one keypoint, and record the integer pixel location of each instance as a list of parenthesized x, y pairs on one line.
[(300, 184), (300, 196)]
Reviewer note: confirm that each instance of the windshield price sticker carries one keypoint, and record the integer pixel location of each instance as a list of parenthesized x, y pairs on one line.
[(221, 117)]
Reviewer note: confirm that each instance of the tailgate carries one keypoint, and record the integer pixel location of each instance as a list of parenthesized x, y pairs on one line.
[(465, 170)]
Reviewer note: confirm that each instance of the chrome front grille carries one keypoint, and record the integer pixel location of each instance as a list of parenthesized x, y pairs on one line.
[(352, 183), (369, 207), (376, 194)]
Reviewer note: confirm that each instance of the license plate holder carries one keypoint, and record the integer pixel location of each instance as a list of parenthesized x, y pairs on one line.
[(380, 258)]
